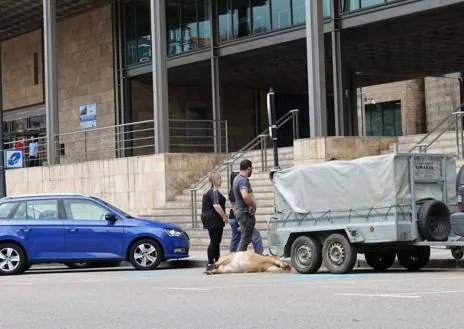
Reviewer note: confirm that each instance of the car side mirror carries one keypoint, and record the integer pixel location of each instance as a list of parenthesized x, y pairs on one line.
[(110, 217)]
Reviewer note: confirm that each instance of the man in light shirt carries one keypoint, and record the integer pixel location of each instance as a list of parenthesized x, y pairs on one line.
[(33, 152)]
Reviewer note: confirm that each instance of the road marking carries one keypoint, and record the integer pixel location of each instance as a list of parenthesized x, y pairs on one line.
[(377, 295), (192, 289), (403, 294)]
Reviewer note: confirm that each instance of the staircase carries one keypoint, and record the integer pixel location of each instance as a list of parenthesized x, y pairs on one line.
[(446, 144), (179, 212)]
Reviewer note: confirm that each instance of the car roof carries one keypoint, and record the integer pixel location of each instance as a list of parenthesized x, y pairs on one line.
[(43, 195)]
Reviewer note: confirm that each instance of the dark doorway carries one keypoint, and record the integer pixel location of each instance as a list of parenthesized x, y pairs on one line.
[(286, 103)]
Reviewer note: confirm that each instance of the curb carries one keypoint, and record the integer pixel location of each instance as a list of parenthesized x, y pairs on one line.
[(201, 263)]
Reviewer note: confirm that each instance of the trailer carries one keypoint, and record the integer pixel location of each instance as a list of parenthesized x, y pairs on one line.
[(385, 207)]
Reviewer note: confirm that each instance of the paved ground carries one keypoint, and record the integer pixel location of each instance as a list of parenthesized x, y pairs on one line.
[(186, 298)]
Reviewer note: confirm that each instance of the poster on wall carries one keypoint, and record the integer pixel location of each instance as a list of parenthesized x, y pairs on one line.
[(88, 116)]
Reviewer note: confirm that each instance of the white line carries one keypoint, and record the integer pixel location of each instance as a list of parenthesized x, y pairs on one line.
[(16, 284), (433, 292), (378, 295), (193, 289)]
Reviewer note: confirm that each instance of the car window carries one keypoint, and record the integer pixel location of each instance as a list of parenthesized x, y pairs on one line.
[(37, 210), (84, 210), (20, 212), (6, 209)]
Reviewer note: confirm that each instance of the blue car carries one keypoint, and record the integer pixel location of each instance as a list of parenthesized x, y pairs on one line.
[(77, 229)]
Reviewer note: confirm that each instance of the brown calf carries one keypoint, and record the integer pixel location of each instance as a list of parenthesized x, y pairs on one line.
[(248, 262)]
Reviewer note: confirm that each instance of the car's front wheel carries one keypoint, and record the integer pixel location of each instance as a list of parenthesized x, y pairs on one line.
[(145, 254), (12, 259)]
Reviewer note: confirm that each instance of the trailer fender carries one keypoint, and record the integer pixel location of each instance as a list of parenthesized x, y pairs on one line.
[(354, 235)]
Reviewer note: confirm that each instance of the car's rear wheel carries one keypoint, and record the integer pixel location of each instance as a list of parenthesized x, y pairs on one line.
[(145, 254), (12, 259)]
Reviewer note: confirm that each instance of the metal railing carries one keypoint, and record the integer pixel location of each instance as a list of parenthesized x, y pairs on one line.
[(138, 138), (454, 119), (29, 159), (259, 141)]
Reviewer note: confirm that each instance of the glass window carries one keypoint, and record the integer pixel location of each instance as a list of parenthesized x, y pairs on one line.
[(281, 14), (368, 3), (84, 210), (191, 37), (241, 18), (204, 30), (19, 125), (38, 121), (6, 209), (349, 5), (261, 19), (129, 33), (38, 210), (173, 28), (224, 20), (143, 30), (384, 119), (298, 12), (326, 8)]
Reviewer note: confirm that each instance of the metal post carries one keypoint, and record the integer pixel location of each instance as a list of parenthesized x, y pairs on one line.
[(265, 152), (226, 137), (159, 75), (85, 145), (363, 112), (316, 69), (51, 85), (215, 78), (272, 125), (118, 76), (2, 158)]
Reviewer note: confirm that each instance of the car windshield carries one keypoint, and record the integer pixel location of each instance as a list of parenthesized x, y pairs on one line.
[(116, 208)]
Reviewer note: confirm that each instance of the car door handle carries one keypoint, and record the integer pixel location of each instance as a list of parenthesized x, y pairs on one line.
[(72, 229), (25, 229)]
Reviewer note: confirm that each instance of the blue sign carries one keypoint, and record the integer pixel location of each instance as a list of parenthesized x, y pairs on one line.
[(14, 159), (88, 116)]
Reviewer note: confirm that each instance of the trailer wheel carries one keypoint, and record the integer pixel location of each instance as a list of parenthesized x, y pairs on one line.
[(434, 220), (380, 260), (457, 253), (414, 259), (306, 255), (338, 254)]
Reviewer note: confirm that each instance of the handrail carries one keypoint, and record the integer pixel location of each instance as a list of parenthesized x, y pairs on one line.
[(456, 114), (259, 140)]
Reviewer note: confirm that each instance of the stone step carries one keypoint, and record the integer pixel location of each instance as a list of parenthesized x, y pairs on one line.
[(261, 224), (264, 207), (264, 193)]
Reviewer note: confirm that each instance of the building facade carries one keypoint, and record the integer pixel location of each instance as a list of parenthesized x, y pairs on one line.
[(215, 65)]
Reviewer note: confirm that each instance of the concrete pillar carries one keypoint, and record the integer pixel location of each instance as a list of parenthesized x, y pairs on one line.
[(316, 69), (216, 85), (51, 85), (160, 75)]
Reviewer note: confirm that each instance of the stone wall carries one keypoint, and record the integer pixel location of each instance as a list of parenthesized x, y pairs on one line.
[(442, 97), (320, 149), (19, 86), (135, 184), (411, 95), (85, 76)]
